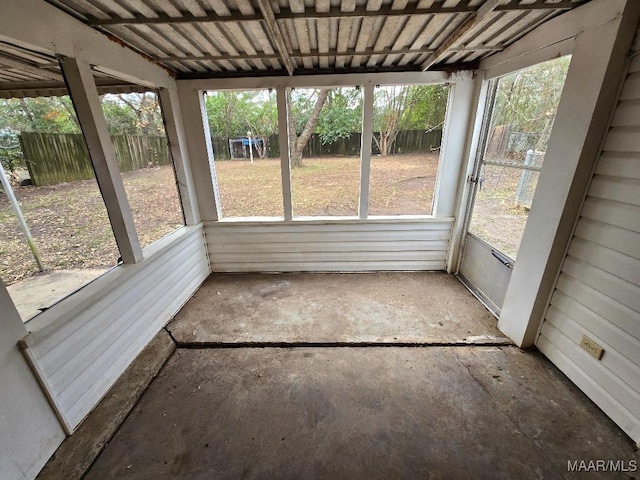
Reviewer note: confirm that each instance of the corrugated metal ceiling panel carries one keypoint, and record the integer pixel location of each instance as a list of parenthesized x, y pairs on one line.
[(209, 38)]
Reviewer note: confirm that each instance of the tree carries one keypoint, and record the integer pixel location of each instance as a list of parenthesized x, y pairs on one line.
[(41, 114), (10, 150), (341, 115), (142, 108), (297, 143), (527, 100), (262, 119), (429, 107), (392, 112)]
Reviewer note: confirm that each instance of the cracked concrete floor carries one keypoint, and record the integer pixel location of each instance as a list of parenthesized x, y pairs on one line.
[(427, 307), (359, 413), (222, 408)]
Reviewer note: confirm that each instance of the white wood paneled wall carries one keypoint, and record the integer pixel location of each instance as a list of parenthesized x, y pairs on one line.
[(598, 291), (88, 340), (329, 246)]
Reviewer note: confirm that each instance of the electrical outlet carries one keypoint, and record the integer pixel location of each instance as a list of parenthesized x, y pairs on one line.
[(592, 347)]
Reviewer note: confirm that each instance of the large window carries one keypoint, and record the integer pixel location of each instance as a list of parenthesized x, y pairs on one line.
[(408, 123), (324, 141), (524, 109), (65, 239), (137, 132), (244, 134)]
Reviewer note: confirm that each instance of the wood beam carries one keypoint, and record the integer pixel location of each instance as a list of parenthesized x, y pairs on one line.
[(28, 67), (285, 13), (331, 53), (84, 96), (59, 89), (43, 28), (365, 150), (176, 138), (275, 34), (444, 49), (285, 157), (198, 143)]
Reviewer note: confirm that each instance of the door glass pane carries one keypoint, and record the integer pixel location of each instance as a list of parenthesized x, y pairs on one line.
[(523, 113)]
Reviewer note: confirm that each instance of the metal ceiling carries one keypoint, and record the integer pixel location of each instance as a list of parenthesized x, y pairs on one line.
[(213, 38), (24, 73)]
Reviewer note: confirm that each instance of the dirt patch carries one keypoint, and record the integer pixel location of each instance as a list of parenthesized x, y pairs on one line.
[(498, 218), (400, 185), (70, 225)]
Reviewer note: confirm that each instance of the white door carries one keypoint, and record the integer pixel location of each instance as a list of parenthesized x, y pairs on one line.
[(517, 124)]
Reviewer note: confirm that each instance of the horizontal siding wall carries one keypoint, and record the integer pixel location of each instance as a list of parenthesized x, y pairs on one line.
[(598, 290), (88, 340), (328, 246)]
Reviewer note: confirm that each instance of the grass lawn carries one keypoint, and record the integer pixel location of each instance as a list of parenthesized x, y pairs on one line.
[(400, 185)]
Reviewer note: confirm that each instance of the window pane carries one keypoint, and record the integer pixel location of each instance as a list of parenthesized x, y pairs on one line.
[(140, 143), (244, 135), (325, 151), (524, 110), (45, 157), (407, 124)]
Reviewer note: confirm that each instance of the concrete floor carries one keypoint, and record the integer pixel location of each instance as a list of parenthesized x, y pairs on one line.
[(428, 307), (359, 413), (38, 293), (222, 409)]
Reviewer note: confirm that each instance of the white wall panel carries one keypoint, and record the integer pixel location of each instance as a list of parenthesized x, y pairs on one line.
[(598, 291), (329, 245), (86, 341)]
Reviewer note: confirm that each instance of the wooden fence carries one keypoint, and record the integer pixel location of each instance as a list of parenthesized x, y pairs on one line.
[(408, 141), (55, 158)]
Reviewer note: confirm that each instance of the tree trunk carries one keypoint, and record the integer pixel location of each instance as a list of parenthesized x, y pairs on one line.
[(297, 145)]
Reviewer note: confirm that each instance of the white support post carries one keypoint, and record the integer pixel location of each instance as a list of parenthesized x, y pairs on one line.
[(471, 146), (83, 92), (595, 75), (196, 129), (178, 147), (458, 121), (365, 150), (285, 158)]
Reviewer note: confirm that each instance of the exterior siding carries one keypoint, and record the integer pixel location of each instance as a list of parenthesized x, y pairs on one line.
[(92, 336), (329, 246), (598, 291)]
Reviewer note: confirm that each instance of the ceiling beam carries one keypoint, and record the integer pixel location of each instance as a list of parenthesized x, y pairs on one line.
[(28, 67), (58, 89), (445, 48), (331, 53), (412, 8), (273, 30)]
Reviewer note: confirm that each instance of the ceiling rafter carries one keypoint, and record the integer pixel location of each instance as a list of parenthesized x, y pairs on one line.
[(276, 37), (285, 13), (445, 48), (28, 67), (331, 53)]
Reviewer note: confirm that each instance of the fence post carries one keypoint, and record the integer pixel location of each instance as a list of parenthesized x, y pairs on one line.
[(525, 179)]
